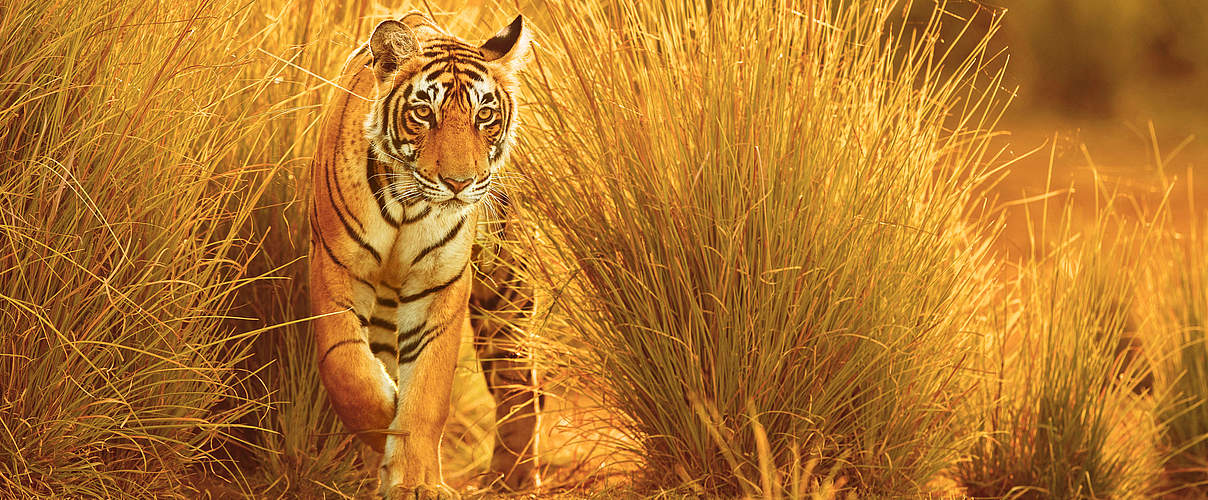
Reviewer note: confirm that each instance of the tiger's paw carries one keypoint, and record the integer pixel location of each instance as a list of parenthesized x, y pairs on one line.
[(422, 492)]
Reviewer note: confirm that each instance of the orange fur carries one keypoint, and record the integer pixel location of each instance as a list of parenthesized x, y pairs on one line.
[(397, 183)]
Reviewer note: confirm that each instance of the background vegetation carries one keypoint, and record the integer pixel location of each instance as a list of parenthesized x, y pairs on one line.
[(770, 266)]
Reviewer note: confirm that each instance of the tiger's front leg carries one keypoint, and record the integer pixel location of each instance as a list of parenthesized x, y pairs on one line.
[(427, 356)]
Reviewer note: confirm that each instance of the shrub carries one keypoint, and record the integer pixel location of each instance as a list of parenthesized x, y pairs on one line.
[(756, 221), (1179, 302), (1060, 415)]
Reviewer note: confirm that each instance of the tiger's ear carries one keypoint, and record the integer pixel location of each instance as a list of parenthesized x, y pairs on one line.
[(392, 43), (509, 46)]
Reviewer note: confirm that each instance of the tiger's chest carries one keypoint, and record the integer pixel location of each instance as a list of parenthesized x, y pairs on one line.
[(431, 250)]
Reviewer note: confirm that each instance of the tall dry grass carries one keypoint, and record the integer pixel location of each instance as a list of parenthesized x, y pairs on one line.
[(1060, 413), (153, 159), (123, 222), (759, 221), (764, 214), (1177, 300), (153, 163)]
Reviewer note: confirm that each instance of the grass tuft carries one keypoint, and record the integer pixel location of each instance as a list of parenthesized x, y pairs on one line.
[(1061, 418), (1180, 304), (769, 260)]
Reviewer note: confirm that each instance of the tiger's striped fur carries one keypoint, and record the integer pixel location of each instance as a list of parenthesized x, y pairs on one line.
[(406, 156)]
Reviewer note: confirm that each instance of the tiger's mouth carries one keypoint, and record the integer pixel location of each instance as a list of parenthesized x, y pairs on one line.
[(452, 193)]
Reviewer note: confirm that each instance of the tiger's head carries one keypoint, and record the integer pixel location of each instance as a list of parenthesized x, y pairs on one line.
[(445, 111)]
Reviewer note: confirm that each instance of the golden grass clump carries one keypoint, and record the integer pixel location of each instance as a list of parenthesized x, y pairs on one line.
[(118, 224), (149, 154), (1064, 412), (764, 208), (760, 240), (1178, 292)]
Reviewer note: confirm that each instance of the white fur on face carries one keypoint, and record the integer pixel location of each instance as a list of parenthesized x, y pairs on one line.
[(427, 90)]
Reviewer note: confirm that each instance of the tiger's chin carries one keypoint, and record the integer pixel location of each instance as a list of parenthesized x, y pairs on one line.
[(452, 203)]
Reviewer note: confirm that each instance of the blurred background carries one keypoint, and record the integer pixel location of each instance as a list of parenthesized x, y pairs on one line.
[(1117, 85)]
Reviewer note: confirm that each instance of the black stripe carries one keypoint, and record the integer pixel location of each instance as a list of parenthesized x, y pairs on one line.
[(380, 347), (416, 337), (331, 173), (478, 66), (332, 256), (422, 213), (412, 129), (386, 112), (443, 241), (394, 109), (387, 302), (398, 111), (383, 323), (371, 176), (424, 293), (451, 50), (413, 353), (497, 120), (432, 64), (410, 333), (353, 310), (334, 180), (356, 236), (454, 61), (451, 46), (338, 344), (427, 182), (474, 75)]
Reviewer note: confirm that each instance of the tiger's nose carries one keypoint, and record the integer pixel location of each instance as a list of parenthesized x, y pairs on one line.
[(456, 185)]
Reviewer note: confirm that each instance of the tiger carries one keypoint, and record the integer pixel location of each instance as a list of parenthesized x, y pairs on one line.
[(405, 171)]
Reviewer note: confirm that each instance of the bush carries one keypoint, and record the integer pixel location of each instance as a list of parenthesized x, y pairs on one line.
[(119, 217), (1179, 301), (763, 214), (1060, 416)]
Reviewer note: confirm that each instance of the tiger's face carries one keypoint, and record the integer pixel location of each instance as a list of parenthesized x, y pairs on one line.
[(444, 115)]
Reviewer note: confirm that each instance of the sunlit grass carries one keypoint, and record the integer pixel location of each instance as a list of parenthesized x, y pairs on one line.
[(758, 228), (1179, 304), (118, 221), (1059, 410), (770, 259)]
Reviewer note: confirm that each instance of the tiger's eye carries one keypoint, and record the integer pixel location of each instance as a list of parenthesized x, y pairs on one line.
[(422, 111), (485, 114)]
